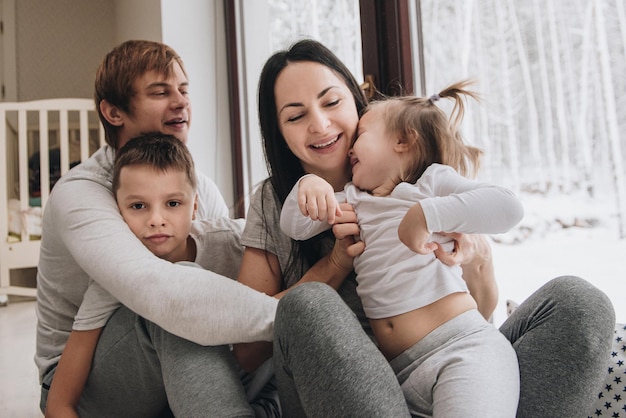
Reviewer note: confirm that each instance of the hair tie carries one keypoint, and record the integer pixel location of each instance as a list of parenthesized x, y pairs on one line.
[(434, 98)]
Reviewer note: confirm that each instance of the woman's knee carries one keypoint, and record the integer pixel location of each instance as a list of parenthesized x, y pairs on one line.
[(582, 298), (303, 303), (584, 310), (313, 311)]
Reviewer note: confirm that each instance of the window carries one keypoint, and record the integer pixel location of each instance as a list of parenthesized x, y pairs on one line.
[(256, 30)]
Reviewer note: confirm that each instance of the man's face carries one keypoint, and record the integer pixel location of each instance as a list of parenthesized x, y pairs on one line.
[(160, 104)]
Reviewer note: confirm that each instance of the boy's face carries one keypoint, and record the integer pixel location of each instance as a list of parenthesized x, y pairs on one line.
[(158, 207), (160, 104)]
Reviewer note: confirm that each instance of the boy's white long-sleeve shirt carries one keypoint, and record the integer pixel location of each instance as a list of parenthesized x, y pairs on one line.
[(392, 278), (85, 238)]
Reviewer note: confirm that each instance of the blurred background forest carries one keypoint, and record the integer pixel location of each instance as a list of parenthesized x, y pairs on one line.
[(552, 75)]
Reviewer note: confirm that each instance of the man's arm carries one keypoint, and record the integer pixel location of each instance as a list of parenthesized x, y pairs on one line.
[(195, 304)]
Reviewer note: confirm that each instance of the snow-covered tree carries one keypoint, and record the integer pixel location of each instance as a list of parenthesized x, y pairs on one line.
[(551, 75)]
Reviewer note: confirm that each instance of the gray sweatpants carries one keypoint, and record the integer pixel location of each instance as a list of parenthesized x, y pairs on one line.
[(562, 335), (139, 369), (465, 368), (326, 365)]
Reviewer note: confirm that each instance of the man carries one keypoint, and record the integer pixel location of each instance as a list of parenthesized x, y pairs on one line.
[(140, 87)]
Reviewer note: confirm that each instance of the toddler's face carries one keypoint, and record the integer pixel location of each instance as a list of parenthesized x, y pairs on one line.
[(375, 162)]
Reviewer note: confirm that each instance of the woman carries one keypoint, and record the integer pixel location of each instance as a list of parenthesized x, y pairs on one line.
[(309, 105)]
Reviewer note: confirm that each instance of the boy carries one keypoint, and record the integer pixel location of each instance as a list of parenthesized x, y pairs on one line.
[(154, 184), (141, 86)]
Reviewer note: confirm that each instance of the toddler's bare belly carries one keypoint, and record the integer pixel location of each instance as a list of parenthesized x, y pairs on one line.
[(397, 333)]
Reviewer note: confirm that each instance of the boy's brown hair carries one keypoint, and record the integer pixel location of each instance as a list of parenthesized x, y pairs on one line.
[(158, 151), (119, 70)]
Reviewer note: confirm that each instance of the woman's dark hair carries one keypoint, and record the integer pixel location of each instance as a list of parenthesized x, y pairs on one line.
[(283, 166)]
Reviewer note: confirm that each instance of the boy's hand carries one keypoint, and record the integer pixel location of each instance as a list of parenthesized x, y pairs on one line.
[(413, 231), (316, 199)]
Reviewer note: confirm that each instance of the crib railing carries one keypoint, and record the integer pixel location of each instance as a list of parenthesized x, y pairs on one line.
[(27, 128)]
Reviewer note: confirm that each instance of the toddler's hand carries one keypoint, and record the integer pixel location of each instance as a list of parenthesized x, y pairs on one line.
[(316, 199)]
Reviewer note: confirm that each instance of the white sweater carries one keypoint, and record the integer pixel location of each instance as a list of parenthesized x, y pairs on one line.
[(392, 279), (85, 238)]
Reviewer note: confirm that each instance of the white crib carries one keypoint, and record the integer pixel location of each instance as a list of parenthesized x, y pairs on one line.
[(67, 131)]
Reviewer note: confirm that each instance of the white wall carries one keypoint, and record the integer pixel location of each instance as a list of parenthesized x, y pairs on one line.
[(197, 33), (8, 71), (137, 19), (58, 46)]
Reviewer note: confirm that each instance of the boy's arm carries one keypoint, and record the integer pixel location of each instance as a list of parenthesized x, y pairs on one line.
[(192, 303), (71, 373)]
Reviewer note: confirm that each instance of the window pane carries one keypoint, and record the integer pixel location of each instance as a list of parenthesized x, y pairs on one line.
[(552, 123), (335, 23), (551, 77)]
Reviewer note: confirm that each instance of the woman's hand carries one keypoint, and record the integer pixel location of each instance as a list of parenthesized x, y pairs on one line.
[(470, 250), (347, 242), (473, 253)]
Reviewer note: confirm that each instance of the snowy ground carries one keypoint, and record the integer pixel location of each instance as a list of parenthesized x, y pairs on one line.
[(546, 249)]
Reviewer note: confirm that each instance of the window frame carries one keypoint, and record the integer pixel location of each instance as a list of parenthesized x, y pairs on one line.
[(387, 55)]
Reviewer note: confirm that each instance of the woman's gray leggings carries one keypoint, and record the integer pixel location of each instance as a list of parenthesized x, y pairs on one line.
[(326, 365)]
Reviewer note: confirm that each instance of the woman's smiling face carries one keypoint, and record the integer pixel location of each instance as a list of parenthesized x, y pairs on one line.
[(317, 116)]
